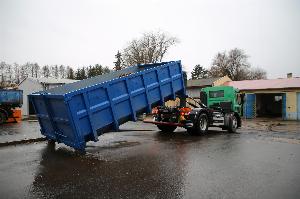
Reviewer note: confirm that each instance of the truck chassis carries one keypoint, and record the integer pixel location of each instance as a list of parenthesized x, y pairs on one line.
[(196, 120)]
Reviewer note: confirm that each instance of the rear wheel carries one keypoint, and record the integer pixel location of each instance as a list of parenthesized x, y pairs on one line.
[(233, 123), (165, 128), (2, 118), (201, 125)]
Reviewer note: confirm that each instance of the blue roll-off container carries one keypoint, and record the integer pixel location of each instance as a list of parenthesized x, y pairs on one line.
[(79, 112), (12, 98)]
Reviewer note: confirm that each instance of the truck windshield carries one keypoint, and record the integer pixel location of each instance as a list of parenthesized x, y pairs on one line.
[(214, 94)]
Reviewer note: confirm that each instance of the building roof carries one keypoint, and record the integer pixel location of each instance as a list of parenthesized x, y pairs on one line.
[(265, 84), (201, 82), (50, 80)]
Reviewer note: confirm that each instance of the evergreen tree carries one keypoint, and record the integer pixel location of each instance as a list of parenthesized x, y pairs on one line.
[(46, 71), (83, 73), (62, 71), (90, 72), (199, 72), (118, 62), (55, 71), (98, 69), (106, 70), (78, 74)]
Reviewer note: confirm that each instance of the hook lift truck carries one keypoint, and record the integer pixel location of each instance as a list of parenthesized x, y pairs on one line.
[(219, 106), (82, 111)]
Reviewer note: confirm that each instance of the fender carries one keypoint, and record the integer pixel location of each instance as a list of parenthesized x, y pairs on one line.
[(198, 111)]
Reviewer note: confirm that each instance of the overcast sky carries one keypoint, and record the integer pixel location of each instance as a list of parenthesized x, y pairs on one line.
[(80, 33)]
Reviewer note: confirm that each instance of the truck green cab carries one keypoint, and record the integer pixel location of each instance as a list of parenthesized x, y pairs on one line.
[(226, 97)]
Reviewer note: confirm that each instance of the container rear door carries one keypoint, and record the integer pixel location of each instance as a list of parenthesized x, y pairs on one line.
[(250, 106), (54, 119)]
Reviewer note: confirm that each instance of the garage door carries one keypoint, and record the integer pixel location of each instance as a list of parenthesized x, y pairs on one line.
[(250, 106), (284, 106)]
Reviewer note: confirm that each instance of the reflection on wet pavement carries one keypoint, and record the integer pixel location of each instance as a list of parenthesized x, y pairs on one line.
[(151, 164)]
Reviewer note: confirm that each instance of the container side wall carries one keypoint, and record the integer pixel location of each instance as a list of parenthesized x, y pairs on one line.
[(84, 114)]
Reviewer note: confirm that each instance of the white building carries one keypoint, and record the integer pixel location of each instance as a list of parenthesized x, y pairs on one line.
[(30, 85)]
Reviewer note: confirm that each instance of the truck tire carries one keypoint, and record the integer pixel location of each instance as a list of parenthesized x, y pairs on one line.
[(233, 123), (2, 118), (201, 125), (167, 129)]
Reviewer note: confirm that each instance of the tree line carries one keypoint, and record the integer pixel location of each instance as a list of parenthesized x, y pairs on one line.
[(13, 74), (151, 47), (233, 63)]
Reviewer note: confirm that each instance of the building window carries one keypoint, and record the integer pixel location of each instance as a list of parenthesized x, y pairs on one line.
[(278, 98)]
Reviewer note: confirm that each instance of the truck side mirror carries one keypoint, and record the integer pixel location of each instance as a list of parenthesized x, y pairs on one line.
[(203, 98)]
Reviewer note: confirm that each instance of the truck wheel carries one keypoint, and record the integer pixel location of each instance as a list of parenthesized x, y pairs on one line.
[(201, 125), (165, 128), (232, 124), (2, 118)]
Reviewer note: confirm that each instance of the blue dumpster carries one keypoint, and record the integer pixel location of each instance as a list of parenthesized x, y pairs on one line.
[(11, 97), (79, 112)]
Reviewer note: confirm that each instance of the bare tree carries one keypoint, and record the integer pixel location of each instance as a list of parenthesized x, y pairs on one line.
[(257, 73), (36, 70), (62, 71), (70, 73), (17, 73), (29, 68), (46, 71), (235, 65), (24, 71), (238, 64), (9, 73), (54, 71), (2, 74), (150, 48), (219, 65)]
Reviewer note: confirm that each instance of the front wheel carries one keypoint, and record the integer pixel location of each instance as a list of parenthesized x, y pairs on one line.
[(165, 128), (233, 123)]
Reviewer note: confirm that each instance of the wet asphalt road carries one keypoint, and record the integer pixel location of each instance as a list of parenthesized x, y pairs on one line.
[(141, 162)]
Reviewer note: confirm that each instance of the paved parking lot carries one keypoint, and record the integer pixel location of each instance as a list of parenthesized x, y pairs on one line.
[(141, 162)]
